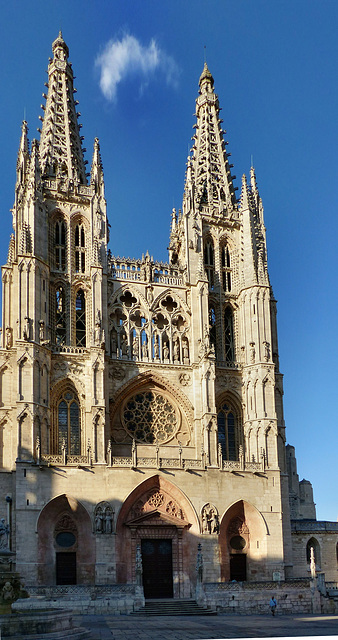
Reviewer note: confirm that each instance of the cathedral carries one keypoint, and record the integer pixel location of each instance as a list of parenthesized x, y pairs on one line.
[(141, 402)]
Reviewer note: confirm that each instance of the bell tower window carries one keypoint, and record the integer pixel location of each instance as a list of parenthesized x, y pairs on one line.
[(229, 335), (80, 249), (226, 270), (209, 263), (226, 424), (80, 319), (60, 317), (68, 416), (60, 246)]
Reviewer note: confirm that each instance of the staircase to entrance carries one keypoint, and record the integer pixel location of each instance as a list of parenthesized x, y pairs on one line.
[(170, 607)]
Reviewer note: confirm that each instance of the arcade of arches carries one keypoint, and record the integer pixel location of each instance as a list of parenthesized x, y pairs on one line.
[(158, 522)]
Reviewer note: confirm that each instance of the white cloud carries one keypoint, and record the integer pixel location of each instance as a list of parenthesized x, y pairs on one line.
[(127, 56)]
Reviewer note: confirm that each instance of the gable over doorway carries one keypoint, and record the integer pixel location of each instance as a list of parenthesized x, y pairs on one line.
[(156, 522)]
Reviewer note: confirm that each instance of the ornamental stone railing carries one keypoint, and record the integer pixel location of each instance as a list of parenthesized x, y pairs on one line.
[(70, 350), (158, 462), (138, 270)]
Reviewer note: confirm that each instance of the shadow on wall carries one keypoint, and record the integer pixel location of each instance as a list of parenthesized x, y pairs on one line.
[(87, 543)]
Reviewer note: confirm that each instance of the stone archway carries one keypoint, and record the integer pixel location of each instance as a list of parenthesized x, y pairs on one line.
[(64, 527), (242, 540), (157, 514)]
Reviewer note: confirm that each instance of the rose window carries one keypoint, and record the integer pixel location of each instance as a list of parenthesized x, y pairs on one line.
[(149, 417)]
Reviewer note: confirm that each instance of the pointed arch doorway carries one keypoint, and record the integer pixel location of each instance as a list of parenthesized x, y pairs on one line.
[(155, 523)]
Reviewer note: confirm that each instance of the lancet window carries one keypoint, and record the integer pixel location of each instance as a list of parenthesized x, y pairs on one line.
[(227, 432), (80, 249), (229, 335), (60, 317), (60, 246), (226, 270), (80, 318), (68, 424), (209, 263), (313, 544)]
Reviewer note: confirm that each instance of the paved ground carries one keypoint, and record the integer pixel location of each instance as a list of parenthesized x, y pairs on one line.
[(207, 627)]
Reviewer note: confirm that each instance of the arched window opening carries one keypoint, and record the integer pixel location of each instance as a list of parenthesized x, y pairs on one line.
[(80, 320), (60, 246), (227, 433), (80, 249), (209, 263), (60, 317), (313, 544), (68, 429), (226, 270), (229, 335), (212, 326)]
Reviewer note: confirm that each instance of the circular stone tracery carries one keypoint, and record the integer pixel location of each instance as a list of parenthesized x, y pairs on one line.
[(149, 417)]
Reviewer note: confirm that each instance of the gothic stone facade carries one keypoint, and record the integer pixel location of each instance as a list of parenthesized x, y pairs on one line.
[(141, 403)]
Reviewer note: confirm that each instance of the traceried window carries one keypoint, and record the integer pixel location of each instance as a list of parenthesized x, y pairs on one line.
[(209, 263), (149, 417), (227, 433), (80, 249), (229, 335), (80, 318), (226, 270), (60, 317), (68, 417), (60, 246)]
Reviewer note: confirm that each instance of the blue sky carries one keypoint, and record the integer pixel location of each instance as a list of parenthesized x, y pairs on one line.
[(275, 70)]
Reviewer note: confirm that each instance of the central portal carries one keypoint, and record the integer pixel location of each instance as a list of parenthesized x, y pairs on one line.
[(157, 568)]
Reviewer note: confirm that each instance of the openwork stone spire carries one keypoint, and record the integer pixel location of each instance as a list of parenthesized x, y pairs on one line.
[(212, 172), (61, 153)]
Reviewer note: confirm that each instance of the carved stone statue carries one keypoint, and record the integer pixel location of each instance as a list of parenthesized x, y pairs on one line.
[(144, 350), (185, 350), (252, 352), (136, 347), (156, 349), (26, 329), (4, 533), (150, 295), (98, 224), (266, 351), (124, 347), (166, 351), (108, 521), (9, 337), (176, 350), (113, 343), (99, 522), (41, 331)]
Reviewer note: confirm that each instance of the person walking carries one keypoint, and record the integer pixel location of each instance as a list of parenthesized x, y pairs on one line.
[(273, 605)]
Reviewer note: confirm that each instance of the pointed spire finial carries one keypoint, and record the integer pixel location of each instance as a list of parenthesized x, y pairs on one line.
[(206, 76)]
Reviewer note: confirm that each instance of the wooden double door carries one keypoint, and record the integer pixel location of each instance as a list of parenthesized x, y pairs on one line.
[(157, 566)]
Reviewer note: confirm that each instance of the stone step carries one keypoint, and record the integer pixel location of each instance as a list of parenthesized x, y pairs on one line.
[(173, 608)]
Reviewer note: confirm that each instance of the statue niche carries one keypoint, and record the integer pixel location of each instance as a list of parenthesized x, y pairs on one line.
[(103, 518), (210, 519)]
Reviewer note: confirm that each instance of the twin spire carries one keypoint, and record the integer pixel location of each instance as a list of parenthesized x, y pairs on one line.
[(61, 153), (210, 167)]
